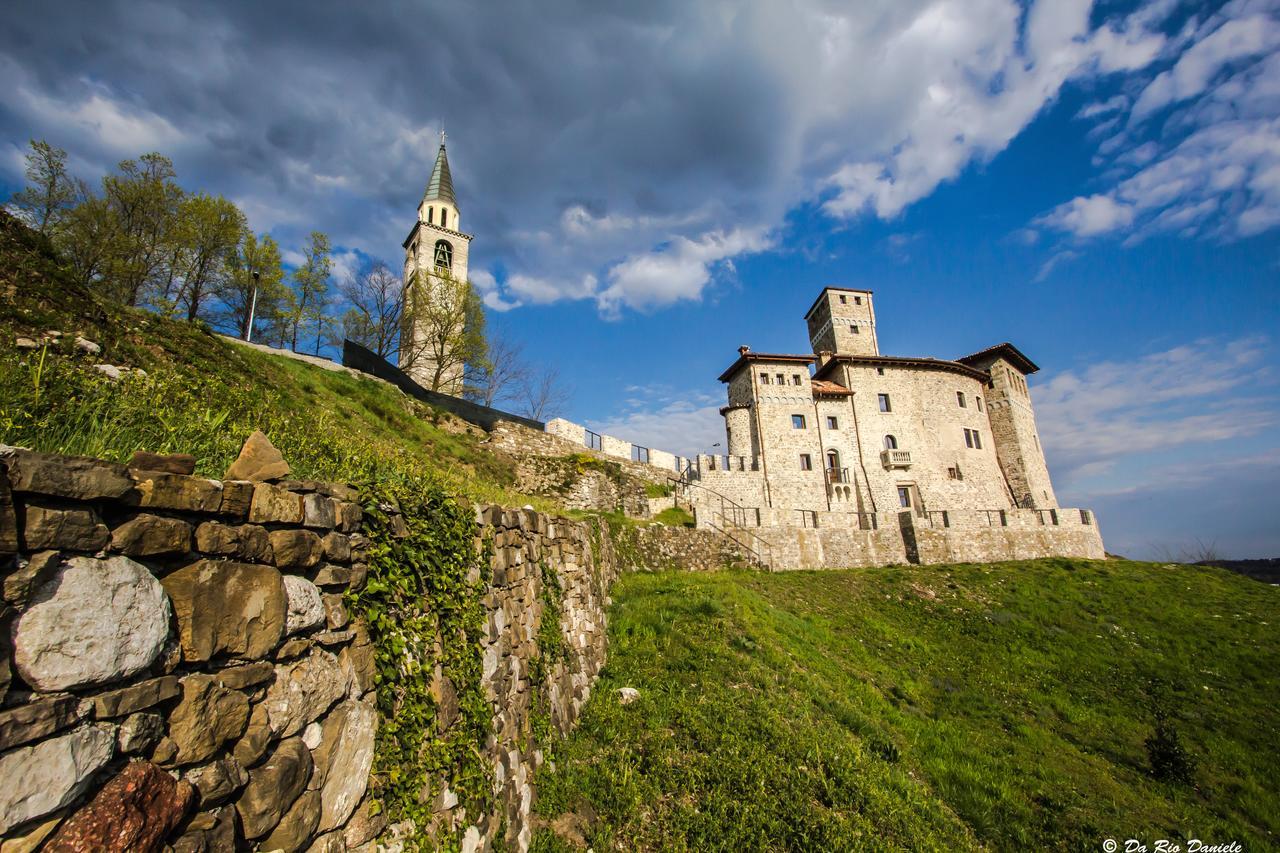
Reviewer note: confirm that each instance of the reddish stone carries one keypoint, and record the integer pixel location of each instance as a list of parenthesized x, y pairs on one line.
[(171, 463), (135, 811)]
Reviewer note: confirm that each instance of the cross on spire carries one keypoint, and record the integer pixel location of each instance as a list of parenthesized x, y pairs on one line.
[(442, 136)]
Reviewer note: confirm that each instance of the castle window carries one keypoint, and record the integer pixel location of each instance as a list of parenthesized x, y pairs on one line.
[(857, 300), (977, 439), (764, 378), (444, 254), (844, 300), (854, 329), (890, 443), (444, 218), (968, 437), (431, 215), (884, 402), (797, 421), (904, 497), (795, 379), (832, 423), (879, 371), (782, 379), (978, 401), (806, 462), (960, 398)]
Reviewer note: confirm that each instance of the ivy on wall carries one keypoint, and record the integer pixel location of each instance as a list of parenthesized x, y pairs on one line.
[(423, 606)]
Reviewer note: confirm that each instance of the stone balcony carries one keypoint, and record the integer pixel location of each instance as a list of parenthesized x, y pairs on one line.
[(895, 458)]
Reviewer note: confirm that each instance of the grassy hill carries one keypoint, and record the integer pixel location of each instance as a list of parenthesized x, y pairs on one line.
[(200, 394), (950, 707)]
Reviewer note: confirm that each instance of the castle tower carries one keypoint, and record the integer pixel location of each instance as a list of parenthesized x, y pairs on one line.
[(435, 261), (1013, 424), (843, 322)]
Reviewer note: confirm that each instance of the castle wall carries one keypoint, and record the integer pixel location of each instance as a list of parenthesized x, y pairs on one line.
[(1013, 425)]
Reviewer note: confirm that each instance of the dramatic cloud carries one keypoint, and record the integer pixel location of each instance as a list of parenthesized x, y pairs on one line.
[(621, 155), (1199, 152)]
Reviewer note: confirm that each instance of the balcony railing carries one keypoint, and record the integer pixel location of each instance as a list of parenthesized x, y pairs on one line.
[(895, 458), (838, 475)]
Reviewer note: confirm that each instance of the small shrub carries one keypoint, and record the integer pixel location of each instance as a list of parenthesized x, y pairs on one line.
[(675, 517), (1170, 760), (657, 490)]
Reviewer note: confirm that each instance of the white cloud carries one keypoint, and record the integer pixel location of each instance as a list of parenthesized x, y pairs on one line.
[(1089, 216), (679, 271), (681, 421), (1202, 392), (1054, 261)]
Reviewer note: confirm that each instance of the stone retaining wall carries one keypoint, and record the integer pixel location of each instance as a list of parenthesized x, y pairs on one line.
[(179, 667), (660, 547)]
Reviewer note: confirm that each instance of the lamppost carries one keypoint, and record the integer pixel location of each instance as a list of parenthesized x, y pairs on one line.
[(253, 306)]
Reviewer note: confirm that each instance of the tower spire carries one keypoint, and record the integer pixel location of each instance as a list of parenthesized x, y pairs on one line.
[(440, 187)]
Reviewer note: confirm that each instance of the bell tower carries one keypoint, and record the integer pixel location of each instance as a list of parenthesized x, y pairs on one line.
[(435, 262)]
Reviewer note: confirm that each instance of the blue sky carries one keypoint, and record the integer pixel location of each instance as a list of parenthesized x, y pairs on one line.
[(1097, 182)]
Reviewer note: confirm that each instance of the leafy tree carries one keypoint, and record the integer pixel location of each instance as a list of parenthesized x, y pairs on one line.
[(442, 328), (208, 233), (144, 201), (305, 304), (86, 237), (51, 191), (236, 289)]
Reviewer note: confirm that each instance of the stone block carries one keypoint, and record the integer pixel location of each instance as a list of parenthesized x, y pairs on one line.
[(274, 505), (8, 518), (69, 528), (349, 516), (296, 826), (215, 538), (296, 549), (256, 738), (93, 622), (139, 732), (293, 648), (258, 461), (335, 611), (76, 477), (217, 781), (29, 575), (343, 760), (135, 697), (35, 720), (208, 716), (236, 609), (49, 775), (178, 492), (237, 496), (302, 691), (306, 607), (169, 463), (331, 575), (334, 638), (318, 512), (367, 823), (246, 675), (152, 536), (135, 811), (337, 547), (274, 787)]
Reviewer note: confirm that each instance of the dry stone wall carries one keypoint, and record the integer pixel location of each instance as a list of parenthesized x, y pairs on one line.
[(179, 667)]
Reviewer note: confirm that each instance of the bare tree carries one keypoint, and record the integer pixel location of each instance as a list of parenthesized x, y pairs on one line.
[(377, 308), (542, 395), (502, 375)]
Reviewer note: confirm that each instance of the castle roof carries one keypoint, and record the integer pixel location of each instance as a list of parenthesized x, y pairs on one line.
[(1006, 351), (901, 361), (440, 187), (746, 356), (823, 388)]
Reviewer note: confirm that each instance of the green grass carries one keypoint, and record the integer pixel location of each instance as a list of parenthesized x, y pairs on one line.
[(1001, 706), (675, 517), (203, 395)]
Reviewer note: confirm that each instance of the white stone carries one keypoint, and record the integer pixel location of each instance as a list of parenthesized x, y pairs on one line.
[(627, 695), (312, 735), (109, 370), (25, 343), (45, 777), (87, 346), (306, 607), (471, 840), (347, 773), (95, 621), (302, 691)]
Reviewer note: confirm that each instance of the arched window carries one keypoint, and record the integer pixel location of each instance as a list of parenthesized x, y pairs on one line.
[(890, 443), (833, 460), (444, 253), (431, 215), (444, 217)]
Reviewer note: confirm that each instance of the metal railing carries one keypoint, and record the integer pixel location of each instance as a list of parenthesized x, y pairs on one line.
[(839, 475), (938, 517), (733, 518), (866, 520), (997, 518), (1051, 514)]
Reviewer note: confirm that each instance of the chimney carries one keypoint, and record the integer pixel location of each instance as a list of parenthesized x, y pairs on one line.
[(744, 349), (823, 357)]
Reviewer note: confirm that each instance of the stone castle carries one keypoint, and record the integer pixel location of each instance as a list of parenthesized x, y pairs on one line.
[(839, 457)]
